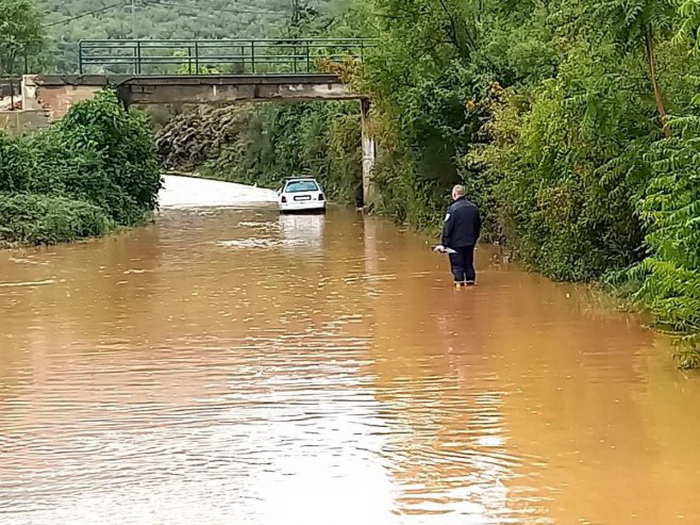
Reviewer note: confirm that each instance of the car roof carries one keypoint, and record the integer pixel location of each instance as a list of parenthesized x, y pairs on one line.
[(299, 179)]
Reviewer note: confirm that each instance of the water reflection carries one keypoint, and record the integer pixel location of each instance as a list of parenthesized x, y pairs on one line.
[(302, 231), (234, 366)]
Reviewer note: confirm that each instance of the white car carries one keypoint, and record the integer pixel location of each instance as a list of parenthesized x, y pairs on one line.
[(299, 195)]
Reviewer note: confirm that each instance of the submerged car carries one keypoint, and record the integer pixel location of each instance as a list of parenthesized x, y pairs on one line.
[(301, 195)]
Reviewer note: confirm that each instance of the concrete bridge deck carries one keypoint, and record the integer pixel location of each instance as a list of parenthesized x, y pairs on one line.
[(56, 93)]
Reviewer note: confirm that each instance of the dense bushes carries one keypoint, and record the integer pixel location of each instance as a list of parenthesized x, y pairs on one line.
[(94, 170), (573, 124), (567, 218), (668, 281), (49, 219)]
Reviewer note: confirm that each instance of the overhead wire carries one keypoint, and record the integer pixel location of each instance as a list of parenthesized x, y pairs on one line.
[(87, 13), (196, 9), (160, 2)]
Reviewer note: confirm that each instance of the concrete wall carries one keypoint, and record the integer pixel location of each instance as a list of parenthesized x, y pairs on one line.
[(22, 121), (8, 86), (369, 155), (54, 99)]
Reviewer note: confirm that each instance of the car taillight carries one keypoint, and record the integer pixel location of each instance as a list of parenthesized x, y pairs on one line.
[(321, 197), (284, 199)]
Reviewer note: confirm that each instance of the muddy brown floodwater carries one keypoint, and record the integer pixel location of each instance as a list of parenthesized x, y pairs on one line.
[(233, 366)]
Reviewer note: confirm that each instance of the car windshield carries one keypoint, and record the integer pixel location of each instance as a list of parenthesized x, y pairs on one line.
[(300, 186)]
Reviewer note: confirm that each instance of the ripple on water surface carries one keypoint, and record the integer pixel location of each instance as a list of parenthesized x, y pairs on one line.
[(234, 366)]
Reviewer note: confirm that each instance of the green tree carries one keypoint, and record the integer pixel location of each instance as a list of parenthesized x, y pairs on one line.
[(21, 34), (635, 25)]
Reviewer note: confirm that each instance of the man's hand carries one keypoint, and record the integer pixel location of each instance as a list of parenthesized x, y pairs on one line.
[(439, 249)]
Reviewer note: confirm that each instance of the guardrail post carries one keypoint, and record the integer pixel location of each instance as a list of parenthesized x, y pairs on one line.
[(252, 55), (138, 57), (196, 58), (80, 58), (308, 57)]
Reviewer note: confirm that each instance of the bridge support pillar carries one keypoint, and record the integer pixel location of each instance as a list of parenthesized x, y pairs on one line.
[(369, 155)]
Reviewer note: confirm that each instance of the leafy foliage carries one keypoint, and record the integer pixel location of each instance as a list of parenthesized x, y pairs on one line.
[(49, 219), (568, 219), (690, 13), (21, 34), (669, 280), (94, 170)]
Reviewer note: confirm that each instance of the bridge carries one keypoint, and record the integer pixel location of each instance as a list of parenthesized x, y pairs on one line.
[(202, 71), (145, 72)]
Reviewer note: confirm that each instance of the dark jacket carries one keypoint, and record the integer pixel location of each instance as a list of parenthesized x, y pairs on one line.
[(462, 224)]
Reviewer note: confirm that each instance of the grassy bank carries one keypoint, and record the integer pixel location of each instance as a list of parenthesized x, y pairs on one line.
[(87, 174)]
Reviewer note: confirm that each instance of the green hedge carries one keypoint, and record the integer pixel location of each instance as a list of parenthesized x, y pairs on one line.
[(94, 170), (31, 219)]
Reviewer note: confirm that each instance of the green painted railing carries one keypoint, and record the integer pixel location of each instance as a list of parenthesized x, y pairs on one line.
[(201, 57)]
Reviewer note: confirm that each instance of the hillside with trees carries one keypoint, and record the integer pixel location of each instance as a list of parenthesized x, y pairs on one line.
[(69, 21)]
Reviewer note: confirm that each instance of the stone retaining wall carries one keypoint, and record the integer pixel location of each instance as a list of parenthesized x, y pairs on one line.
[(22, 121)]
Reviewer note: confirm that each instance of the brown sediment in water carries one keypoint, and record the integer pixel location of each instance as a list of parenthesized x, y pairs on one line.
[(237, 366)]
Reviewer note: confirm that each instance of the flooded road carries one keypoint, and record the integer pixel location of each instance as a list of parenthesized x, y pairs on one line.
[(233, 366)]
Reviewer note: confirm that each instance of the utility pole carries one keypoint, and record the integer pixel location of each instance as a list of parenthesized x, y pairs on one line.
[(133, 18), (295, 13)]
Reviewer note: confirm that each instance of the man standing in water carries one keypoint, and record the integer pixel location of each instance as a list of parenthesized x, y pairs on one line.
[(460, 234)]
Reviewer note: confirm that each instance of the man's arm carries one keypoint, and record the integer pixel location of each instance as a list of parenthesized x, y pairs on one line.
[(447, 228), (477, 225)]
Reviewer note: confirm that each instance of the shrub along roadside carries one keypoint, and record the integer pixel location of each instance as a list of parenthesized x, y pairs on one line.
[(91, 172), (47, 219), (668, 281)]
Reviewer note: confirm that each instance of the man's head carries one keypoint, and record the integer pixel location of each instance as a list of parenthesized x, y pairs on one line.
[(458, 192)]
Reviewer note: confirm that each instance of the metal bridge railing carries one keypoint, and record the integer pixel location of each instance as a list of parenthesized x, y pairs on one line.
[(201, 57)]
